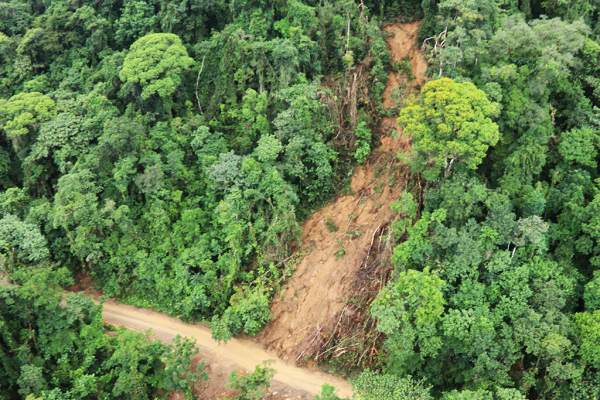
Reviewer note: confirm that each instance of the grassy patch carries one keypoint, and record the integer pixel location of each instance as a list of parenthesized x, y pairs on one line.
[(331, 226)]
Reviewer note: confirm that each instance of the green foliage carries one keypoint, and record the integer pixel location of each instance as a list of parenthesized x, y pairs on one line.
[(363, 142), (252, 385), (178, 360), (493, 277), (534, 203), (327, 393), (30, 381), (248, 312), (372, 386), (469, 27), (20, 118), (355, 234), (137, 19), (501, 394), (409, 312), (452, 123), (585, 389), (341, 252), (331, 226), (21, 241), (591, 294), (513, 234), (156, 62), (169, 148), (406, 208), (579, 147), (588, 325), (25, 111), (404, 67), (303, 129), (65, 137), (61, 349)]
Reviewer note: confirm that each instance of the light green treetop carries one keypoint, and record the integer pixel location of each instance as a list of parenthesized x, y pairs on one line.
[(25, 110), (409, 312), (372, 386), (452, 122), (21, 240), (156, 62)]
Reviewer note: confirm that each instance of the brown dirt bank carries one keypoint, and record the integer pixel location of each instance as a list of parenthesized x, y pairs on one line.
[(312, 299)]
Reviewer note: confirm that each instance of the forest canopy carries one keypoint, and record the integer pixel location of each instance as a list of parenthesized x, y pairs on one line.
[(171, 149)]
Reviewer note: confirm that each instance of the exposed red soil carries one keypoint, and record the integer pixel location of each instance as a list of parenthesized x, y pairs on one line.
[(402, 41), (314, 296), (84, 283)]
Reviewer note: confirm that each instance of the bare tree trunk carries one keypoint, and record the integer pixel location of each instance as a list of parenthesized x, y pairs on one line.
[(348, 34), (448, 168), (437, 43), (197, 82), (353, 107)]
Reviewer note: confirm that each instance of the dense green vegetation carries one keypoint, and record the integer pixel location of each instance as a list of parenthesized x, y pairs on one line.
[(170, 149), (495, 294), (57, 351)]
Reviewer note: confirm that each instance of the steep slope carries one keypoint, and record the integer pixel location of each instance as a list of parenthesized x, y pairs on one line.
[(402, 41), (314, 296)]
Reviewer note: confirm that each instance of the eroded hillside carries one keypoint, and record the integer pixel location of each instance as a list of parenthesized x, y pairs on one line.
[(339, 238)]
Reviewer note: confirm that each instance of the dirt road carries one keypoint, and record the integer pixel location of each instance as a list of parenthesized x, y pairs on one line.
[(292, 382), (242, 352)]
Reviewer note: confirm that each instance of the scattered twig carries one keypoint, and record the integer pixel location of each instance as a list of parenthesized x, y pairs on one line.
[(373, 349), (336, 324), (371, 246), (311, 342)]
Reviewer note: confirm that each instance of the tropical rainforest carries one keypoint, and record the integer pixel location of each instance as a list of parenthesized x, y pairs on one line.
[(171, 149)]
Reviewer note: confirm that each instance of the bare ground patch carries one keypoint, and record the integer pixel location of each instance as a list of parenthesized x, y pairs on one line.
[(328, 296)]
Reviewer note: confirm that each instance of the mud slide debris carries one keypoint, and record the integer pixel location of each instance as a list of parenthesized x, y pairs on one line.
[(314, 296)]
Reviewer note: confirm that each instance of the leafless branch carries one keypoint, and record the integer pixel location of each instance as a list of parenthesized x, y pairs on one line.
[(197, 82)]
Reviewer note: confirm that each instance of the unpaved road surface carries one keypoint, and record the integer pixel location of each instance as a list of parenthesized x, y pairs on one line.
[(289, 383), (242, 352)]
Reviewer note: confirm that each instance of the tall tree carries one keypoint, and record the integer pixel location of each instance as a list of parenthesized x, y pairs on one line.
[(156, 62), (452, 122)]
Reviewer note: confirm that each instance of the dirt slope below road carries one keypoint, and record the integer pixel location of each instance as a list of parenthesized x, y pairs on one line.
[(314, 296), (238, 353)]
